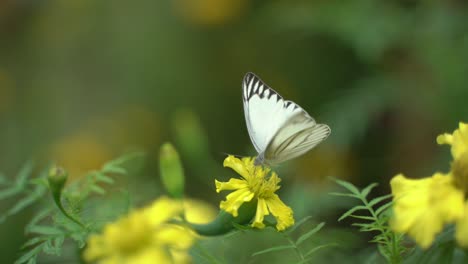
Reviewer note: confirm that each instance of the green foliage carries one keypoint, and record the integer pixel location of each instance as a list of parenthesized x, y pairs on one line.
[(304, 255), (375, 220), (53, 224)]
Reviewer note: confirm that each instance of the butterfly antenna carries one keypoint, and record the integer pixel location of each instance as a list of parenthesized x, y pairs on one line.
[(235, 155)]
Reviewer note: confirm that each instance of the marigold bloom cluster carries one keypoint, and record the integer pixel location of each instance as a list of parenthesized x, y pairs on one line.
[(143, 236), (257, 183), (422, 207)]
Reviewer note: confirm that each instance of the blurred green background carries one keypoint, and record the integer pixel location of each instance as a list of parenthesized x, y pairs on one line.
[(84, 81)]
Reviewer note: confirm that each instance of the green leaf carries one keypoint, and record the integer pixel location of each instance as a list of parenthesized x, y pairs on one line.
[(24, 173), (37, 218), (115, 170), (117, 163), (31, 254), (9, 192), (364, 217), (34, 241), (345, 194), (369, 188), (307, 235), (98, 190), (379, 199), (21, 204), (46, 230), (273, 249), (313, 250), (349, 186), (382, 208), (299, 223), (103, 178), (351, 211)]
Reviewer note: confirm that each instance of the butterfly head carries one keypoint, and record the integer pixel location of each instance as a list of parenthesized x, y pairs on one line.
[(259, 160)]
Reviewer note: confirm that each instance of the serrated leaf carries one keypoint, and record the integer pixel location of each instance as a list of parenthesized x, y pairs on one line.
[(299, 223), (9, 192), (313, 250), (98, 189), (20, 205), (30, 254), (382, 208), (123, 159), (58, 242), (46, 230), (363, 217), (307, 235), (349, 186), (344, 194), (272, 249), (34, 241), (37, 218), (115, 170), (103, 178), (369, 188), (351, 211), (24, 173), (379, 199)]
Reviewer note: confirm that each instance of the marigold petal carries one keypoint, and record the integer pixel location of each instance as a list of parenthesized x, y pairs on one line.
[(175, 236), (232, 184), (461, 233), (237, 165), (423, 206), (262, 210), (282, 213), (445, 138), (235, 199), (164, 209)]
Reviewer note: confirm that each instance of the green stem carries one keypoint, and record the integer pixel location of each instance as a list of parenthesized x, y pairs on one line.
[(224, 222), (57, 194), (296, 249)]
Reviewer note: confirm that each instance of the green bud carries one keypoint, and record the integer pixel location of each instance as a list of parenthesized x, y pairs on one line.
[(57, 178), (172, 173)]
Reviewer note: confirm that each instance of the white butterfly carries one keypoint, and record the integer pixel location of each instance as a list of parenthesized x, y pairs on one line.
[(279, 129)]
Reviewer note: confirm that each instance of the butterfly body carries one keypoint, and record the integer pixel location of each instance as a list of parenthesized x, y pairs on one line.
[(279, 129)]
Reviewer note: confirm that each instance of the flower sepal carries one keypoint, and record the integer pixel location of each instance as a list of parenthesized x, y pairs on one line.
[(226, 222)]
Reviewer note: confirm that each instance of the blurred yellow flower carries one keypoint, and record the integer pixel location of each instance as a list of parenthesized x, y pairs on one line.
[(210, 12), (422, 207), (257, 183), (79, 153), (144, 236)]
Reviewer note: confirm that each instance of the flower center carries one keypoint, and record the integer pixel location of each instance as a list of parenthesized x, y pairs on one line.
[(263, 183), (460, 172)]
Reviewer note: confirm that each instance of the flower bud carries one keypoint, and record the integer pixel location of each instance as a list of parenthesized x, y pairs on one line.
[(172, 174)]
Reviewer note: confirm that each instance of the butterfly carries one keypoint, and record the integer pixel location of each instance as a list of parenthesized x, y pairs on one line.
[(279, 129)]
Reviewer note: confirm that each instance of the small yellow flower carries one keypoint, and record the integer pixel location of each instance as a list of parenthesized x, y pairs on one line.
[(423, 207), (257, 183), (144, 236)]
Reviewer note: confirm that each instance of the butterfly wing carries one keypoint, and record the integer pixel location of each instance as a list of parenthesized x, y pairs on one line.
[(265, 111), (279, 129), (296, 137)]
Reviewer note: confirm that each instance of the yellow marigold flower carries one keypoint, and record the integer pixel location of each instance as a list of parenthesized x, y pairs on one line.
[(458, 140), (257, 183), (422, 207), (144, 236)]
